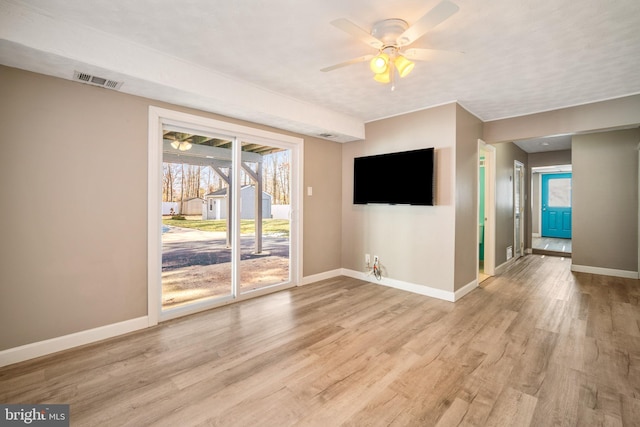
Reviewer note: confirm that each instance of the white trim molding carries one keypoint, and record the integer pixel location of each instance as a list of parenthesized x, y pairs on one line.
[(65, 342), (465, 290), (393, 283), (404, 286), (605, 271)]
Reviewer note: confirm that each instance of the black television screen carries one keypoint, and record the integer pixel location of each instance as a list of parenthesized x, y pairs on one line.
[(396, 178)]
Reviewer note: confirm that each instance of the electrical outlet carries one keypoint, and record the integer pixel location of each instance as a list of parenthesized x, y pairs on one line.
[(367, 259)]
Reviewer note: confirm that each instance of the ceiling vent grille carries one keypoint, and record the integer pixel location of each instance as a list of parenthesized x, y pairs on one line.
[(96, 81)]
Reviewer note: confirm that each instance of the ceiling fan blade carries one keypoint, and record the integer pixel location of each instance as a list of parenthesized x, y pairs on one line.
[(350, 62), (357, 32), (431, 19), (427, 54)]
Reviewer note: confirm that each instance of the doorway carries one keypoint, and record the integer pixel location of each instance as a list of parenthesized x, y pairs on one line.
[(542, 241), (518, 208), (223, 213), (486, 210)]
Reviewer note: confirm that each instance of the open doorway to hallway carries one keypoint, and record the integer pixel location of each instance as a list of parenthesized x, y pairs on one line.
[(486, 210), (548, 156), (551, 210)]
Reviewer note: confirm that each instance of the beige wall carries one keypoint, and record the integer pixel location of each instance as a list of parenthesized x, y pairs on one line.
[(77, 154), (597, 116), (76, 259), (322, 210), (468, 131), (415, 243), (506, 154), (549, 158), (605, 200), (536, 207)]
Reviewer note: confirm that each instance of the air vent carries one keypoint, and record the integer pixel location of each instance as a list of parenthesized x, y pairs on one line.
[(96, 80)]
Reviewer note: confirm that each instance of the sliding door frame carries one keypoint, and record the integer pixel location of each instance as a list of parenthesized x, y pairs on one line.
[(158, 117)]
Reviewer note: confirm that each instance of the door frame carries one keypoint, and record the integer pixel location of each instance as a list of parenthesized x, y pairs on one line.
[(544, 205), (161, 116), (489, 153), (520, 250)]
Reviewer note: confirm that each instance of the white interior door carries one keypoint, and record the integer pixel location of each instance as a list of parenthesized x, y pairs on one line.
[(518, 209)]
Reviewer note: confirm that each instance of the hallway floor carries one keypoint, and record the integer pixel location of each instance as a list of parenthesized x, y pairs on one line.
[(549, 244)]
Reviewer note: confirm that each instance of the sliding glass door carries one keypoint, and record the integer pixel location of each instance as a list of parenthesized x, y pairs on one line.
[(228, 202), (196, 213), (265, 213)]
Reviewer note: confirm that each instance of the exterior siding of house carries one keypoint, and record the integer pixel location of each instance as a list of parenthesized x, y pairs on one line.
[(216, 205)]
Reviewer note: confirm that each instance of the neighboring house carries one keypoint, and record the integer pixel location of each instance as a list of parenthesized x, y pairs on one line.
[(192, 206), (216, 207)]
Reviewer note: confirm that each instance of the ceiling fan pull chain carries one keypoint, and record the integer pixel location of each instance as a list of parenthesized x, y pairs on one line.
[(392, 73)]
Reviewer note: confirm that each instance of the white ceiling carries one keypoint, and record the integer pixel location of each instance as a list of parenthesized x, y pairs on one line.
[(261, 61), (550, 143)]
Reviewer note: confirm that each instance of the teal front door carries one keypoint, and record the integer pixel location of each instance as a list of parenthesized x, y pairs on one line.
[(556, 205)]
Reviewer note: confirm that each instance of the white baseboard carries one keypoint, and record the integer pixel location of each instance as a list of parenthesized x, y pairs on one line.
[(405, 286), (504, 266), (605, 271), (53, 345), (392, 283), (320, 276), (465, 289)]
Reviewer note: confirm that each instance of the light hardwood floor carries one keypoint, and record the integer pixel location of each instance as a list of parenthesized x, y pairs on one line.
[(536, 346)]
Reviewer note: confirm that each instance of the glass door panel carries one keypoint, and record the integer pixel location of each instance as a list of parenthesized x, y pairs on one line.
[(265, 216), (196, 232)]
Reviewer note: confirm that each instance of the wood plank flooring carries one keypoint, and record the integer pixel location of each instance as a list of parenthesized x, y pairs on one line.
[(537, 346)]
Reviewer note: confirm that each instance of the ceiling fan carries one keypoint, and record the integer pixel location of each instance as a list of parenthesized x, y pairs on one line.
[(391, 37)]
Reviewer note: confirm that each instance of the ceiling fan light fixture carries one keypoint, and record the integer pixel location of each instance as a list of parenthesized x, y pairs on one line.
[(181, 145), (404, 65), (389, 37), (383, 77), (380, 63)]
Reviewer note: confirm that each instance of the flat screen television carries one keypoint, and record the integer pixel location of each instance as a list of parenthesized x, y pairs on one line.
[(403, 178)]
